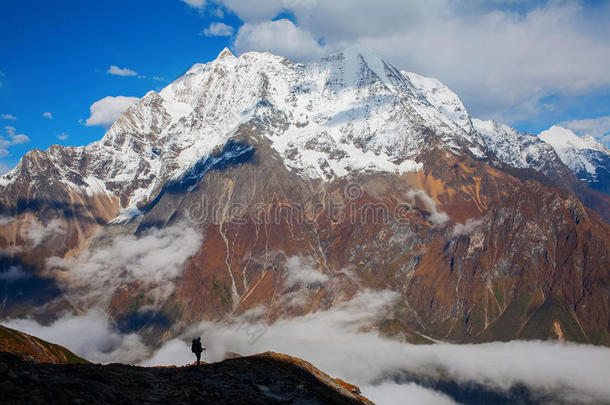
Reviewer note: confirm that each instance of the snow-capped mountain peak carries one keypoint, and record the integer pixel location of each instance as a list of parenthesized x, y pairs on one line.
[(562, 138), (357, 57), (442, 98), (225, 53), (585, 156)]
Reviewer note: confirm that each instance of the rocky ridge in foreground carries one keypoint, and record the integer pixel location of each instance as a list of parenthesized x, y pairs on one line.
[(34, 371), (268, 378)]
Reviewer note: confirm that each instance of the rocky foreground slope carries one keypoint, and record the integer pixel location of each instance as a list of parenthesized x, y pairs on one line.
[(33, 371), (268, 378)]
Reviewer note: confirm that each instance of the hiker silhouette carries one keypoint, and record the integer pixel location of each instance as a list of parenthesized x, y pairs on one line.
[(197, 348)]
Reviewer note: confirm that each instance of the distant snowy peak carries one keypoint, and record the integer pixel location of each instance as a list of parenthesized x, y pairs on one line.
[(515, 148), (586, 157), (562, 138), (549, 153)]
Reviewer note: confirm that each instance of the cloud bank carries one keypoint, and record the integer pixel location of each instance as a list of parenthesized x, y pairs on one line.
[(90, 335), (154, 259), (218, 29), (391, 393), (344, 343)]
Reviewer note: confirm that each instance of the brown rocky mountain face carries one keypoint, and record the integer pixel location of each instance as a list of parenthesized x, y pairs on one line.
[(477, 250), (534, 258)]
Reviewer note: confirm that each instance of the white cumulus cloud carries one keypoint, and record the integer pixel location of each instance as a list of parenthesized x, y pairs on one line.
[(174, 351), (260, 10), (437, 217), (501, 61), (12, 138), (48, 115), (106, 111), (301, 271), (9, 117), (117, 71), (199, 4), (295, 42), (218, 29), (37, 232)]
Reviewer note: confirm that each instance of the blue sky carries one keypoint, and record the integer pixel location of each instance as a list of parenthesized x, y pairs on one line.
[(54, 57), (530, 63)]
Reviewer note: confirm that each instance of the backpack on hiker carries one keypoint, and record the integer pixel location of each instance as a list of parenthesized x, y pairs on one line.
[(196, 346)]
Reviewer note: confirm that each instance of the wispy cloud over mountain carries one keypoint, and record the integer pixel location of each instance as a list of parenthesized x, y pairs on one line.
[(106, 111)]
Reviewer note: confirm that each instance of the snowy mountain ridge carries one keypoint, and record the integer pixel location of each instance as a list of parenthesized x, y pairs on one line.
[(346, 113), (512, 147)]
